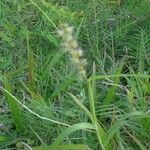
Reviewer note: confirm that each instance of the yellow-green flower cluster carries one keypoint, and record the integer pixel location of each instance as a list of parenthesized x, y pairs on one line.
[(71, 46)]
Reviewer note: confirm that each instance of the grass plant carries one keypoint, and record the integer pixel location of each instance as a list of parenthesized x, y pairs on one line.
[(89, 91)]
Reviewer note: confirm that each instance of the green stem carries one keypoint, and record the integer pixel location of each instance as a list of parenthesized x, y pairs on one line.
[(94, 120)]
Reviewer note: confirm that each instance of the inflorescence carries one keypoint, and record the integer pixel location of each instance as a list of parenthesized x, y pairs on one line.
[(71, 46)]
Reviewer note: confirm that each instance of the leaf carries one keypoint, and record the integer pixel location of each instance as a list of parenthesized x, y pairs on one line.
[(78, 102), (99, 129), (50, 63), (13, 106), (35, 96), (50, 37), (31, 64), (3, 138), (111, 92), (6, 38), (43, 12), (124, 122), (65, 84), (71, 129), (63, 147)]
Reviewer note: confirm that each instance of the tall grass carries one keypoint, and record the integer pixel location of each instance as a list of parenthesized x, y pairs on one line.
[(43, 102)]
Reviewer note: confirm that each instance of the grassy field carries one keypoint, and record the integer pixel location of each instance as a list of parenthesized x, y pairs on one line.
[(75, 74)]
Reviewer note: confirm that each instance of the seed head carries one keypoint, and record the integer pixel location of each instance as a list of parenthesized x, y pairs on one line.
[(71, 46)]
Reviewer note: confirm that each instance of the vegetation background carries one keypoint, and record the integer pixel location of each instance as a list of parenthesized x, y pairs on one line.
[(44, 104)]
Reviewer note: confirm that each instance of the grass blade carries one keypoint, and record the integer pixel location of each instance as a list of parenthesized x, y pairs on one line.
[(111, 93), (99, 129), (71, 129), (13, 106), (78, 102), (63, 147)]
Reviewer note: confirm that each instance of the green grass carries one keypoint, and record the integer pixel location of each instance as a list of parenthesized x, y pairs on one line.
[(44, 104)]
